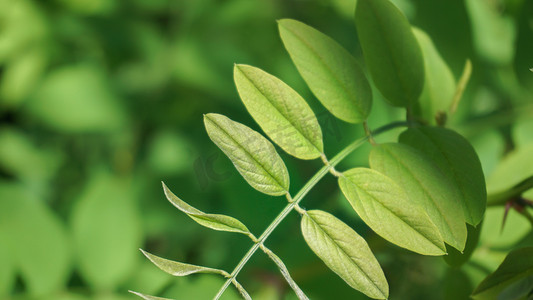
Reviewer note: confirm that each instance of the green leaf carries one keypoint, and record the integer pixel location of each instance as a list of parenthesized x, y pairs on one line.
[(456, 258), (175, 268), (391, 51), (384, 206), (517, 265), (285, 272), (106, 225), (252, 154), (425, 185), (458, 160), (7, 270), (517, 190), (148, 297), (329, 70), (280, 111), (344, 252), (216, 222), (516, 167), (35, 240), (439, 83)]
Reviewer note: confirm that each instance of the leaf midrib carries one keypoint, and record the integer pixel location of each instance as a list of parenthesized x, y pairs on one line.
[(246, 152), (281, 113), (317, 225)]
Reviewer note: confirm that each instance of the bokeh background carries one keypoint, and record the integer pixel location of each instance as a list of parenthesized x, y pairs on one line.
[(101, 100)]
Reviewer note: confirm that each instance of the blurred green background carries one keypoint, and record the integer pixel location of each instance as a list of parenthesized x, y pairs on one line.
[(101, 100)]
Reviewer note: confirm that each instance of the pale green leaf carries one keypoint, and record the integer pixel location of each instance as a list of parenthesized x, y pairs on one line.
[(285, 272), (241, 289), (329, 70), (345, 253), (148, 297), (253, 155), (280, 111), (384, 206), (216, 222), (426, 186), (517, 265), (107, 230), (458, 160), (439, 84), (35, 240), (391, 51), (175, 268)]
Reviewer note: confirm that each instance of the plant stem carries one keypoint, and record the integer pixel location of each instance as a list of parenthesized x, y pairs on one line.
[(299, 196)]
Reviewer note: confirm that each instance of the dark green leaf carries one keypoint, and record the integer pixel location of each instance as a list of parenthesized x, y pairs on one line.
[(517, 265), (345, 253), (216, 222), (391, 51), (280, 111), (458, 160), (329, 70), (385, 207), (426, 186), (252, 154)]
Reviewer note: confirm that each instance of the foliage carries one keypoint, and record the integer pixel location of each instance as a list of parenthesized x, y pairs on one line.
[(101, 100)]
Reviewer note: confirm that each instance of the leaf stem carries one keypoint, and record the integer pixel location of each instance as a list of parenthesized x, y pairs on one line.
[(299, 196)]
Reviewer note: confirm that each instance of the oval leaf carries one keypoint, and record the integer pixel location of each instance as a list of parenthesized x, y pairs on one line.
[(384, 206), (517, 265), (344, 252), (216, 222), (425, 185), (439, 84), (391, 51), (329, 70), (280, 111), (175, 268), (458, 160), (253, 155)]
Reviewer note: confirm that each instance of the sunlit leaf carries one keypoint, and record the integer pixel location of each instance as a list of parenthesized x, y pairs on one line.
[(458, 160), (107, 230), (439, 83), (345, 253), (425, 185), (36, 240), (517, 265), (216, 222), (285, 272), (175, 268), (252, 154), (330, 71), (148, 297), (384, 206), (391, 51), (280, 111), (456, 258)]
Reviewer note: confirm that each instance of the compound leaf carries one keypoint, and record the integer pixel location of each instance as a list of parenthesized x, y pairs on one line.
[(213, 221), (345, 253), (329, 70), (175, 268), (458, 160), (439, 84), (391, 51), (384, 206), (425, 185), (517, 265), (280, 111), (252, 154)]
